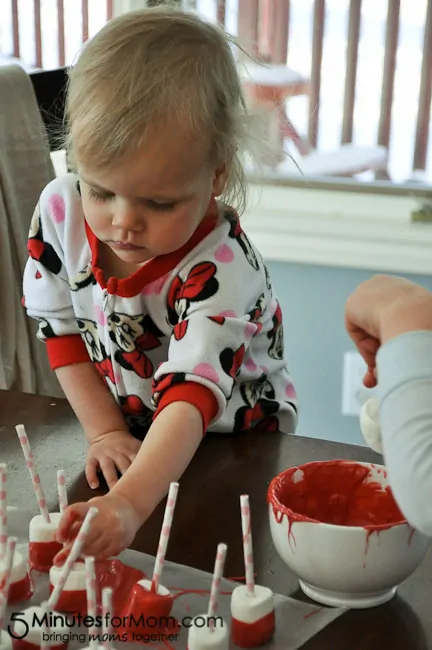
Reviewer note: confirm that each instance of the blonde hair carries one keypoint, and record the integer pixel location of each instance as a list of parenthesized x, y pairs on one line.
[(152, 67)]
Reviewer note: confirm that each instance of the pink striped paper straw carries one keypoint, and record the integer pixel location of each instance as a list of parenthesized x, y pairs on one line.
[(247, 543), (61, 489), (106, 616), (44, 644), (3, 510), (216, 582), (74, 553), (91, 597), (165, 533), (25, 446), (6, 578)]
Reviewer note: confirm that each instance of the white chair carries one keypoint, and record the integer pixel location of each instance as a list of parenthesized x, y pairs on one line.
[(269, 87)]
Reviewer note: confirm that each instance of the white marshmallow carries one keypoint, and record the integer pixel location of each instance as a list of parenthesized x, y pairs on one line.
[(19, 567), (370, 425), (5, 641), (31, 629), (249, 609), (76, 580), (202, 637), (147, 584), (41, 531)]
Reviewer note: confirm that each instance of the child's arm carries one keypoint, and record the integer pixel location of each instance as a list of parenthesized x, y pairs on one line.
[(47, 293), (111, 444), (91, 400), (164, 455)]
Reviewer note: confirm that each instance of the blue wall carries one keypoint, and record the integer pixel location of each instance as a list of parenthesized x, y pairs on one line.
[(313, 300)]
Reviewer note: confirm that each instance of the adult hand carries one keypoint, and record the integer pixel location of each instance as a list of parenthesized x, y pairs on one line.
[(382, 308)]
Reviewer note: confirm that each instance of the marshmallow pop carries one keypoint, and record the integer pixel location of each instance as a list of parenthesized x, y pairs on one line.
[(5, 639), (252, 606), (214, 634), (42, 528), (21, 586), (34, 639), (40, 628), (73, 597), (147, 597)]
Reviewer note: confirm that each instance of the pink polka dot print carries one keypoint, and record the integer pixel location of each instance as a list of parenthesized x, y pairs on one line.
[(250, 329), (57, 206), (224, 254), (206, 371), (251, 365), (290, 391), (228, 313), (154, 288), (100, 316)]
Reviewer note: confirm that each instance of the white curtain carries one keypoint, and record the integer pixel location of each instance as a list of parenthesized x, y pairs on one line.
[(25, 169)]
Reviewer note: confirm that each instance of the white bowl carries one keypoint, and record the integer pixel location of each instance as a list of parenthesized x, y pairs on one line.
[(338, 563)]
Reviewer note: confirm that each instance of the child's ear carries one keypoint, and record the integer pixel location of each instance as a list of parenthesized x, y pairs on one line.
[(220, 179)]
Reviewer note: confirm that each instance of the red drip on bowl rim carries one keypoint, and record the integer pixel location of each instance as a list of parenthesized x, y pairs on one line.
[(338, 493)]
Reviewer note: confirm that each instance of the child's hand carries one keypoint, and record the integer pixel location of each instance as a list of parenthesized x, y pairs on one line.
[(112, 451), (112, 530)]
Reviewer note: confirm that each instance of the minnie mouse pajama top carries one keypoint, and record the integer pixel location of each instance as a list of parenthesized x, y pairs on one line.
[(200, 325)]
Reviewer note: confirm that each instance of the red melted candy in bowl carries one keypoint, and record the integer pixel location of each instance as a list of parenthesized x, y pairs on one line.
[(41, 555), (334, 492), (250, 635)]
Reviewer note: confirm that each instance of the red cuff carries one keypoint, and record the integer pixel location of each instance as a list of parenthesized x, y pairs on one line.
[(194, 393), (66, 350)]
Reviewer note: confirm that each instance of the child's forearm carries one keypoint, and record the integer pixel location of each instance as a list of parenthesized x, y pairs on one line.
[(92, 402), (166, 452)]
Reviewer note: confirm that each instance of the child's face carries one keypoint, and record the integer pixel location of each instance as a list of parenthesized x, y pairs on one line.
[(151, 203)]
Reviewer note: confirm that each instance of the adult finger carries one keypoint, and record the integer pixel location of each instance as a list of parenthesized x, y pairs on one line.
[(369, 380)]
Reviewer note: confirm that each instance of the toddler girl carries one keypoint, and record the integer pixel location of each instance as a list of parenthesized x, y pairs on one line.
[(157, 311)]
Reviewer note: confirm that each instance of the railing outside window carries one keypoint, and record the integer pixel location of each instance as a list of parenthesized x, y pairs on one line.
[(368, 62)]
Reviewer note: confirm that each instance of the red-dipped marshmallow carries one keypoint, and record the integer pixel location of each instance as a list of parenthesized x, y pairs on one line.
[(252, 616), (73, 598), (214, 634), (28, 630), (144, 601), (5, 641), (252, 606), (21, 585), (42, 543)]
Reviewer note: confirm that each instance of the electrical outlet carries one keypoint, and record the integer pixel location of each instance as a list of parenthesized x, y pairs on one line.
[(354, 393)]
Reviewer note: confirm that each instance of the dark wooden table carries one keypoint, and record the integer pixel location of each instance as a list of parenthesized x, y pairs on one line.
[(207, 513)]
